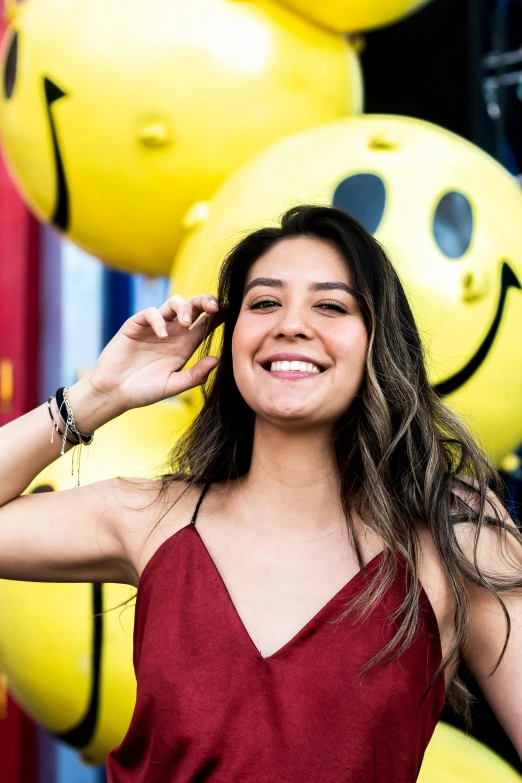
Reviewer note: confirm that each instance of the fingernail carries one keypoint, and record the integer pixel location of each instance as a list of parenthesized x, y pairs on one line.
[(214, 302), (164, 333), (186, 318)]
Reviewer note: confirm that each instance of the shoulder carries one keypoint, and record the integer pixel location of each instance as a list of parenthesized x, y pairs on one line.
[(145, 512), (490, 547)]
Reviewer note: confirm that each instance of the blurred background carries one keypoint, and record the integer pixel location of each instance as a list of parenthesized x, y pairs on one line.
[(137, 141)]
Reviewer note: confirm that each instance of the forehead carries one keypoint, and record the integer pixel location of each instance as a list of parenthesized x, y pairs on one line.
[(302, 259)]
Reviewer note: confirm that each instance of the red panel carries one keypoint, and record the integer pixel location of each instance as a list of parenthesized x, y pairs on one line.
[(19, 319), (19, 296), (19, 300), (18, 761)]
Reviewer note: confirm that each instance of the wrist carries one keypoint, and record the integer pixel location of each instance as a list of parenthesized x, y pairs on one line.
[(91, 407)]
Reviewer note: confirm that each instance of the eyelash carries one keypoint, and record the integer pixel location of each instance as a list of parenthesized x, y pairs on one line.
[(270, 302)]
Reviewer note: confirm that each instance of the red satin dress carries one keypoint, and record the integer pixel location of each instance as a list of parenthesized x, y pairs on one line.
[(210, 707)]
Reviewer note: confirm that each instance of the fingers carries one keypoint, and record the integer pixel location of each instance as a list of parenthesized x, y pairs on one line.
[(182, 380), (207, 323), (187, 311), (153, 318)]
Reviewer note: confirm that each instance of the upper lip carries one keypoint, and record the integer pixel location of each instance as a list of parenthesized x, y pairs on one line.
[(292, 357)]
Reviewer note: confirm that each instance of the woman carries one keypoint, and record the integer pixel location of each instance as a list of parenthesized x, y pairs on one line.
[(324, 551)]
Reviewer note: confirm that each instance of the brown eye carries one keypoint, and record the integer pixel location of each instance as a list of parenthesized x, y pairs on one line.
[(262, 304), (335, 306)]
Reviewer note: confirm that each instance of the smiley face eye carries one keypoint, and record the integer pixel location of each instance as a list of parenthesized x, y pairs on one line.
[(363, 196), (10, 67), (453, 224)]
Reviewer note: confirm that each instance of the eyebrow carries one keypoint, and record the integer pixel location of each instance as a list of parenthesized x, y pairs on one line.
[(327, 285)]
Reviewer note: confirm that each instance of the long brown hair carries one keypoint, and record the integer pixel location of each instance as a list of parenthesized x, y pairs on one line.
[(402, 455)]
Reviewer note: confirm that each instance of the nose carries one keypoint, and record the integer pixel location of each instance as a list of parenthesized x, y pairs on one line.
[(293, 324)]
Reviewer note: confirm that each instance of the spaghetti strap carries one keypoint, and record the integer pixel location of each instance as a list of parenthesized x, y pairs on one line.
[(200, 501)]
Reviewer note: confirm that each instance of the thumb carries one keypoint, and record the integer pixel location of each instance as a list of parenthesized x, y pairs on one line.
[(182, 380)]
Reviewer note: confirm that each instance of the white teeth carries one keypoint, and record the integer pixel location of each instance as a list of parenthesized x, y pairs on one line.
[(312, 368), (294, 367)]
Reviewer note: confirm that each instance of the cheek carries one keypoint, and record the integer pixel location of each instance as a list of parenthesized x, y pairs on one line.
[(244, 345), (241, 343), (350, 346), (247, 337)]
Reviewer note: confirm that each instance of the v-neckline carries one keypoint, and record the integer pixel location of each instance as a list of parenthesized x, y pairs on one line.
[(311, 622)]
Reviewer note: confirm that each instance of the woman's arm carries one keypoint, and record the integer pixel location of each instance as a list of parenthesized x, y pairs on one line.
[(56, 536), (25, 443), (83, 534), (76, 535), (503, 689)]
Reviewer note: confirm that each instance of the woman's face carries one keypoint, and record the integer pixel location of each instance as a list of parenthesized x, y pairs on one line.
[(299, 344)]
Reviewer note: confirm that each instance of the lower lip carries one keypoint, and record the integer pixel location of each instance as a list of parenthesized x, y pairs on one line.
[(289, 375)]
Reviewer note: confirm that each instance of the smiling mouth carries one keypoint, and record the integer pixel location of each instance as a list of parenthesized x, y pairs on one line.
[(291, 370), (508, 279)]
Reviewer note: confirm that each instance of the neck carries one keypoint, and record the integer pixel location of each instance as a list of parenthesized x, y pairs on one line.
[(293, 480)]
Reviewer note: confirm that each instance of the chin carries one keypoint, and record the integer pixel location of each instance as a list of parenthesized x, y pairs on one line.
[(289, 416)]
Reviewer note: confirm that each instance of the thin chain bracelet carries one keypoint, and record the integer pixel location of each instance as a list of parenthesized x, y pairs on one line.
[(55, 427), (74, 443), (62, 399)]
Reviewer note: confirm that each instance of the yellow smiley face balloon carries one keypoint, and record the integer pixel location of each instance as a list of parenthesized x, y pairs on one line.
[(69, 669), (449, 216), (116, 116), (454, 757), (354, 15)]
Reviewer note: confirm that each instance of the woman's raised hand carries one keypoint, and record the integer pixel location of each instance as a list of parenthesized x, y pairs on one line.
[(144, 361)]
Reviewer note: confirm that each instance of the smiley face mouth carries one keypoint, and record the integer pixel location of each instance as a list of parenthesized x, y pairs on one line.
[(61, 214), (52, 93), (508, 279)]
